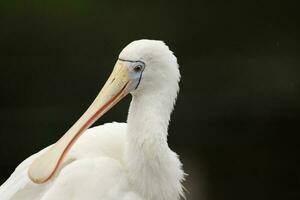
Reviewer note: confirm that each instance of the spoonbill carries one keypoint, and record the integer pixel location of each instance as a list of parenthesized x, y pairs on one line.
[(114, 161)]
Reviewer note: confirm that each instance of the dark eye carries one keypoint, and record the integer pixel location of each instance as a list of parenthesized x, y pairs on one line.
[(137, 68)]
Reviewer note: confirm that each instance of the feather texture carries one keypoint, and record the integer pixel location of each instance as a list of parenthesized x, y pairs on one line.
[(119, 161)]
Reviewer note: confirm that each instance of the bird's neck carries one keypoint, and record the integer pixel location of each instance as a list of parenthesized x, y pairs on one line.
[(152, 167)]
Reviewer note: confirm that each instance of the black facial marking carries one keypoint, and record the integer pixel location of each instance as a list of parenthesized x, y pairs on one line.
[(139, 80), (132, 61)]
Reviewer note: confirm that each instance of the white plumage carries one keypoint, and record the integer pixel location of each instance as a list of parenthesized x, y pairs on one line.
[(115, 161)]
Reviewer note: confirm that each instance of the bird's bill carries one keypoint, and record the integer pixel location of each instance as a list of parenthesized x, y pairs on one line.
[(115, 88)]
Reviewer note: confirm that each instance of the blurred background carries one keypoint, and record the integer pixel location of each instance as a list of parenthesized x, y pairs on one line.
[(236, 122)]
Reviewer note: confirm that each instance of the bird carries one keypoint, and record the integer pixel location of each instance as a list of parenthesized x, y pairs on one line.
[(114, 161)]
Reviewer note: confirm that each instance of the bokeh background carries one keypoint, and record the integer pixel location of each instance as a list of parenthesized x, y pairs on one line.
[(236, 122)]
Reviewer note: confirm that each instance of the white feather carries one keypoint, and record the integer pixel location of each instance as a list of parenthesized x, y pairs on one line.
[(119, 161)]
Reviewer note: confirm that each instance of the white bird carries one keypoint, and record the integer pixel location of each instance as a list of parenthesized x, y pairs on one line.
[(114, 161)]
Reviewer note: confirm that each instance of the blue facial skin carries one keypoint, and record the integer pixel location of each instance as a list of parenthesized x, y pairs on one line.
[(136, 69)]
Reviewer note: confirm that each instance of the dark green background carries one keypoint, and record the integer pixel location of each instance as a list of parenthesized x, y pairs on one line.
[(236, 122)]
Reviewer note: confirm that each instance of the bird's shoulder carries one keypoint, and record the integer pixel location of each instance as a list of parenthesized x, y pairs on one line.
[(105, 140), (101, 141), (18, 185), (90, 178)]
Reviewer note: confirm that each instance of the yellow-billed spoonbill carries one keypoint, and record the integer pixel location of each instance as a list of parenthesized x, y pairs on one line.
[(115, 161)]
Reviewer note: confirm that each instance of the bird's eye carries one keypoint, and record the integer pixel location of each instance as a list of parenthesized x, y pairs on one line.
[(137, 68)]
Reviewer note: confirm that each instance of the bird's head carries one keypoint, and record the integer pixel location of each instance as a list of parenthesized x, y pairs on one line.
[(150, 66), (143, 67)]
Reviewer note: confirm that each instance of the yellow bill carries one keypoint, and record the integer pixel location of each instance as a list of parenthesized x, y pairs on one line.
[(117, 86)]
